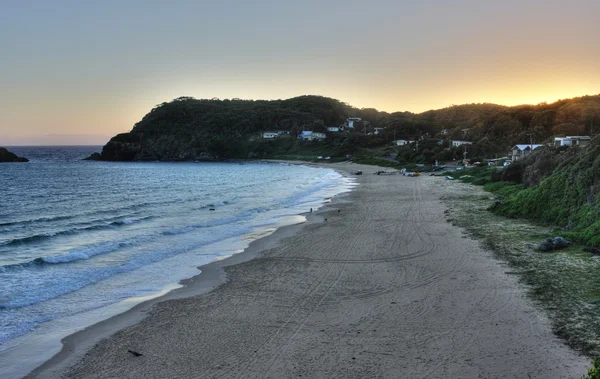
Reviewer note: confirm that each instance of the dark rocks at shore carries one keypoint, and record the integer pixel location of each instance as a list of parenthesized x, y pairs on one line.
[(555, 243), (127, 147), (122, 147), (94, 157), (593, 250), (7, 156)]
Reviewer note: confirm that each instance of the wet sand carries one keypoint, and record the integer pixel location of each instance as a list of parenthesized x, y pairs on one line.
[(379, 285)]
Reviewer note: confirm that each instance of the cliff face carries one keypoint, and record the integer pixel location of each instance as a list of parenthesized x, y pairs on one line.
[(7, 156)]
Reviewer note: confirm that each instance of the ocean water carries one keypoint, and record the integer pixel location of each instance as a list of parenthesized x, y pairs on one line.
[(77, 236)]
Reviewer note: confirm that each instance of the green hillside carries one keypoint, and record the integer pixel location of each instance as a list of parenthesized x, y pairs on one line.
[(567, 195), (191, 129)]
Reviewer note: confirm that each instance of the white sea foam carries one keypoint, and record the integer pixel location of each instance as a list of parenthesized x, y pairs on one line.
[(172, 231)]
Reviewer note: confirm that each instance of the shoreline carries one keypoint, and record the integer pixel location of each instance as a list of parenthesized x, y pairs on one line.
[(211, 276), (397, 292)]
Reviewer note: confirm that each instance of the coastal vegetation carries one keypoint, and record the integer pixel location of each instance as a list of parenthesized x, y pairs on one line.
[(594, 371), (556, 187), (213, 129)]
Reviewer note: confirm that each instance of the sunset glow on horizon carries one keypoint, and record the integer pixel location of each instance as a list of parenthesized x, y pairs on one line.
[(85, 72)]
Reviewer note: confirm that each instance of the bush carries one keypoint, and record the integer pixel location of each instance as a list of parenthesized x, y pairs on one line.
[(594, 371), (539, 166), (513, 173)]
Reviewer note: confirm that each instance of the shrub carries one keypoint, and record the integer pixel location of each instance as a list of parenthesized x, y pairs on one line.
[(594, 371), (513, 173)]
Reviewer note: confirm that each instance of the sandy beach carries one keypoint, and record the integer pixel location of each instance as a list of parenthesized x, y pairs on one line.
[(376, 285)]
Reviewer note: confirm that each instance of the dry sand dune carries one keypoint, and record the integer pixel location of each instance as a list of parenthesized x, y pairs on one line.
[(384, 288)]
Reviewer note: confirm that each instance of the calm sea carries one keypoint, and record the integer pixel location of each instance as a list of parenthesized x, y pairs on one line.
[(78, 236)]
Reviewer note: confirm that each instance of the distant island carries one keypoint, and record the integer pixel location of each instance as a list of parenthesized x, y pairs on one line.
[(188, 129), (7, 156)]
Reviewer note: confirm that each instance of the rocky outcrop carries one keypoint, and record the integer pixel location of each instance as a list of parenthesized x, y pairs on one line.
[(7, 156), (554, 244), (593, 250), (122, 147), (127, 147), (94, 157)]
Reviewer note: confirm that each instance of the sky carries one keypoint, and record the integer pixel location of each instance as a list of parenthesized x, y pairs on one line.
[(79, 72)]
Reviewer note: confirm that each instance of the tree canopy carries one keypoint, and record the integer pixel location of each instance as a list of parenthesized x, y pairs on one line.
[(187, 128)]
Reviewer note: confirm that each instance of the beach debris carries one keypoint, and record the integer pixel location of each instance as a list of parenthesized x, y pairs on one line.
[(404, 172), (358, 172), (135, 353), (211, 209), (448, 177), (554, 244)]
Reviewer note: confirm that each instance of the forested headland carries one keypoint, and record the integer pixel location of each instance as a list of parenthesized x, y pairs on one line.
[(212, 129)]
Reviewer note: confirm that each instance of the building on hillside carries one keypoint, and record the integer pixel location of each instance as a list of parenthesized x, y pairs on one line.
[(311, 136), (458, 143), (269, 135), (402, 142), (521, 151), (334, 129), (280, 132), (572, 141), (352, 120), (377, 131)]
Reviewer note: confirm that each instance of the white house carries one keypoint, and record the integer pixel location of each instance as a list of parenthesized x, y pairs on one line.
[(280, 132), (458, 143), (521, 151), (378, 130), (311, 136), (334, 129), (572, 141), (269, 135), (402, 142), (352, 120)]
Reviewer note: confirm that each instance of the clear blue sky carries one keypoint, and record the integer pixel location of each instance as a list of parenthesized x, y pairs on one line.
[(82, 71)]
